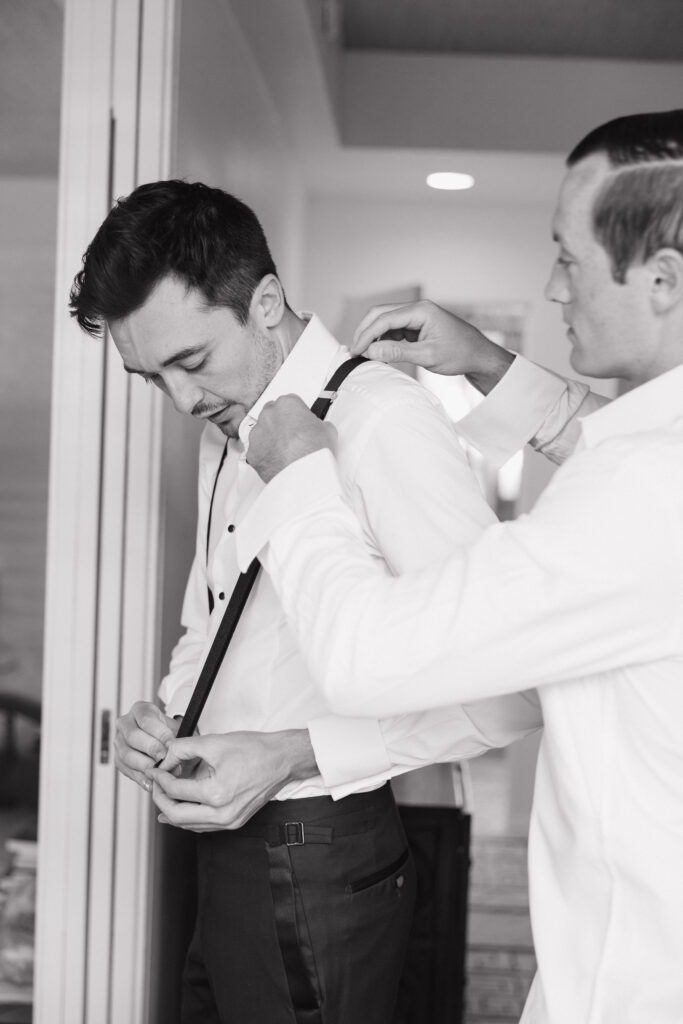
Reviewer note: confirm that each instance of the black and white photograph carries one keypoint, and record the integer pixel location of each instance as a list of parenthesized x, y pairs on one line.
[(341, 511)]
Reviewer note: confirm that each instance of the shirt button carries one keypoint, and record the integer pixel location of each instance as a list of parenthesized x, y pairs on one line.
[(221, 596), (399, 882), (231, 528)]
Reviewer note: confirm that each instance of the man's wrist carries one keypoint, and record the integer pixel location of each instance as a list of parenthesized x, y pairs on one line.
[(294, 753), (496, 364)]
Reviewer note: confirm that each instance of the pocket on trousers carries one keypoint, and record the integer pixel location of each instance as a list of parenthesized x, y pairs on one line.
[(378, 877)]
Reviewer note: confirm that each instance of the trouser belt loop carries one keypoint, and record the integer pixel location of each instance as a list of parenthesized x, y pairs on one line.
[(296, 833)]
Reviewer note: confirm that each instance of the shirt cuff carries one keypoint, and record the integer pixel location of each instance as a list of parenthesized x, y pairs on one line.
[(513, 411), (177, 703), (348, 749), (290, 494)]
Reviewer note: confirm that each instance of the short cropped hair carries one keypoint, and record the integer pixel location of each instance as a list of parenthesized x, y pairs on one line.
[(203, 236), (639, 208)]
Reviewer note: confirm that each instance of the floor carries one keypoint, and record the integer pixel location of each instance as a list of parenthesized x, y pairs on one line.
[(500, 958)]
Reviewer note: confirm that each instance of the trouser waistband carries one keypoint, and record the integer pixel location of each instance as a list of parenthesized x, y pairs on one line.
[(317, 819)]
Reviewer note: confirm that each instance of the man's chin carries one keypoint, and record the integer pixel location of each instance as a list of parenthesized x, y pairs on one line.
[(589, 368), (228, 420), (579, 362), (229, 430), (575, 360)]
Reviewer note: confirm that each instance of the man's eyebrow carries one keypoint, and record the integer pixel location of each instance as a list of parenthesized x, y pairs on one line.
[(175, 358), (184, 354)]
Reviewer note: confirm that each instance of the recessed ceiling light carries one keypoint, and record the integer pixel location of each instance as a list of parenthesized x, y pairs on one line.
[(450, 180)]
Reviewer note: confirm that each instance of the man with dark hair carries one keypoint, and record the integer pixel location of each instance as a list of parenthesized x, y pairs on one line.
[(582, 598), (304, 911), (202, 236)]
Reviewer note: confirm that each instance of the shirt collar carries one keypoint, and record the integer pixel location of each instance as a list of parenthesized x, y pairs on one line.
[(648, 407), (305, 371)]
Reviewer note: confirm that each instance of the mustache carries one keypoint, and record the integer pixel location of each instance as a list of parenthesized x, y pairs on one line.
[(206, 409)]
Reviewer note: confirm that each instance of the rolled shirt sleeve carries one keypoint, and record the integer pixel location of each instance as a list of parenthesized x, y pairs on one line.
[(529, 405)]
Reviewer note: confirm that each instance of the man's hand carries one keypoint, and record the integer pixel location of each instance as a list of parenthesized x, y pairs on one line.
[(238, 773), (286, 431), (424, 334), (141, 740)]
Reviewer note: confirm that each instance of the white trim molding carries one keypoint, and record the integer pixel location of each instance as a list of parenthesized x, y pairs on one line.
[(101, 634)]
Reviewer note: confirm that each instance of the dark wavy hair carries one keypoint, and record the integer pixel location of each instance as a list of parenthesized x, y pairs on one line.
[(639, 208), (203, 236)]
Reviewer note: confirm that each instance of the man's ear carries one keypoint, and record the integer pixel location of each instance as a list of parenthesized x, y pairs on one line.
[(267, 306), (666, 275)]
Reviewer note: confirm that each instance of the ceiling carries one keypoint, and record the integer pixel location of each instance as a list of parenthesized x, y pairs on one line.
[(353, 31), (612, 29)]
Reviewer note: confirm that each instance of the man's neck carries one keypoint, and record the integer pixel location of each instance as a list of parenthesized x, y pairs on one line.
[(289, 330)]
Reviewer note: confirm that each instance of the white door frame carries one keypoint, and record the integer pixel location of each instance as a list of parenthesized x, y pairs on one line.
[(103, 524)]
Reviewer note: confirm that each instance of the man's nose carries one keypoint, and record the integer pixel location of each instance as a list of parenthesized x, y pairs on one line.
[(183, 393), (557, 289)]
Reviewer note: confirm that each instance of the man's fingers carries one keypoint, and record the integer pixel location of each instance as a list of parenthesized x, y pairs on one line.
[(132, 762), (181, 751), (152, 720), (144, 728), (374, 316), (394, 352), (138, 777), (401, 321), (137, 749), (286, 431), (193, 816), (180, 812), (197, 791)]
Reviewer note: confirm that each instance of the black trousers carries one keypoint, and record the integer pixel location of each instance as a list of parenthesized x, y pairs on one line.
[(303, 915)]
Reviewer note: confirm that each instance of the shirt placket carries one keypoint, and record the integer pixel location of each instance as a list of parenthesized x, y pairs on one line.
[(242, 487)]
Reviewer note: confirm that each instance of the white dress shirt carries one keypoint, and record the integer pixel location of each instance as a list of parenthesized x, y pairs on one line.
[(582, 598), (405, 474)]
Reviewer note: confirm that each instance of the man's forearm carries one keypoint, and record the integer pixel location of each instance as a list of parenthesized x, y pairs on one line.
[(496, 361)]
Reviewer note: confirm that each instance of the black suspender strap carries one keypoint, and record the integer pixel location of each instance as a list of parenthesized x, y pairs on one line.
[(208, 524), (246, 580), (322, 404)]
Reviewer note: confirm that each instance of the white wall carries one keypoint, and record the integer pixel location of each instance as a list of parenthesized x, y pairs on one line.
[(28, 216), (228, 131), (458, 251)]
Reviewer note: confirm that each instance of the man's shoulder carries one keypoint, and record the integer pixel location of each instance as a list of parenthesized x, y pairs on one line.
[(382, 387), (381, 410)]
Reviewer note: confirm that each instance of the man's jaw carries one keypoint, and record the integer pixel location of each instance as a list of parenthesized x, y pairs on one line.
[(224, 418)]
